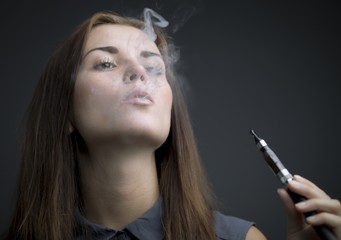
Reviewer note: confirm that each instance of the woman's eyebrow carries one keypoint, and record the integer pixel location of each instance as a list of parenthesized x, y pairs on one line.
[(109, 49), (114, 50)]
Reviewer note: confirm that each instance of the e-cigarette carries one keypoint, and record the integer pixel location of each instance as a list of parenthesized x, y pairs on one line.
[(285, 177)]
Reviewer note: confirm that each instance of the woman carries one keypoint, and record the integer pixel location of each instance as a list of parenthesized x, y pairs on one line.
[(109, 151)]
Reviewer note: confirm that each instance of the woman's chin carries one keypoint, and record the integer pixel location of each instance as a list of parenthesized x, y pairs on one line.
[(137, 136), (145, 137)]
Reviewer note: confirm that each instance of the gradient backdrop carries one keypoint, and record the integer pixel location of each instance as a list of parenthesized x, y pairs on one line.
[(274, 66)]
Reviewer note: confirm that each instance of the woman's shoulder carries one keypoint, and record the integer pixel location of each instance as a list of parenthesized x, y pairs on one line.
[(231, 227)]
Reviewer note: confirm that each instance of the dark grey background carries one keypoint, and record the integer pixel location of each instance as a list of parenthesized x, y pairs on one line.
[(269, 65)]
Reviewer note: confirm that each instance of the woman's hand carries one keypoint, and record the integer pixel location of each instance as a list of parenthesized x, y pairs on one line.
[(328, 210)]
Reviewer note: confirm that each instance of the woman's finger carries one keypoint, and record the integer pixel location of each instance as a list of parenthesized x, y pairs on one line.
[(301, 179), (331, 220), (306, 189), (295, 218), (320, 205)]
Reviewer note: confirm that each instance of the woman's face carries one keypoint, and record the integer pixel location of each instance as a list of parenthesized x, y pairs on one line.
[(121, 92)]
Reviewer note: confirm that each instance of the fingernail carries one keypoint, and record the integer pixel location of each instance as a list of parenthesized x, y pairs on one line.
[(300, 204), (297, 176), (295, 183), (310, 219)]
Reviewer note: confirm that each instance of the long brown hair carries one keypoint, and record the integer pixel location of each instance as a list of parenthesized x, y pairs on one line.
[(49, 192)]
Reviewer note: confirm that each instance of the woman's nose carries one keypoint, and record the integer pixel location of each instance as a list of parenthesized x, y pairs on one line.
[(134, 76), (135, 72)]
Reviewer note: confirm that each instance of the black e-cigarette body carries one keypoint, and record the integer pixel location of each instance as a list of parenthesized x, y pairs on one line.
[(284, 176)]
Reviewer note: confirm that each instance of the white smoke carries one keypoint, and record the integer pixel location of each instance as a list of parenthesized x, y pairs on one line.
[(152, 18)]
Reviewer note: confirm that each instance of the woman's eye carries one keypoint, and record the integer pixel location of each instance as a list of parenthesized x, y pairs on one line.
[(155, 70), (105, 65)]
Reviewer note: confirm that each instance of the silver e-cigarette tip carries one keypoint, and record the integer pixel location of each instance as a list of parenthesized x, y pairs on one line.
[(260, 142)]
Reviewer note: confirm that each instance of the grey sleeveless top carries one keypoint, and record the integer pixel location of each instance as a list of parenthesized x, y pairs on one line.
[(148, 227)]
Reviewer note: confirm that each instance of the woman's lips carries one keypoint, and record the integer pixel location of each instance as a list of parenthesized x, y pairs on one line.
[(139, 97)]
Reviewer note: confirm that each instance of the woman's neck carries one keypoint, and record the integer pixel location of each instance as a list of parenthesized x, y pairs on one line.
[(118, 185)]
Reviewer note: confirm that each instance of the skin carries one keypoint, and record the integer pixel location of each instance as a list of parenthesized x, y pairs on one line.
[(121, 129), (121, 137)]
